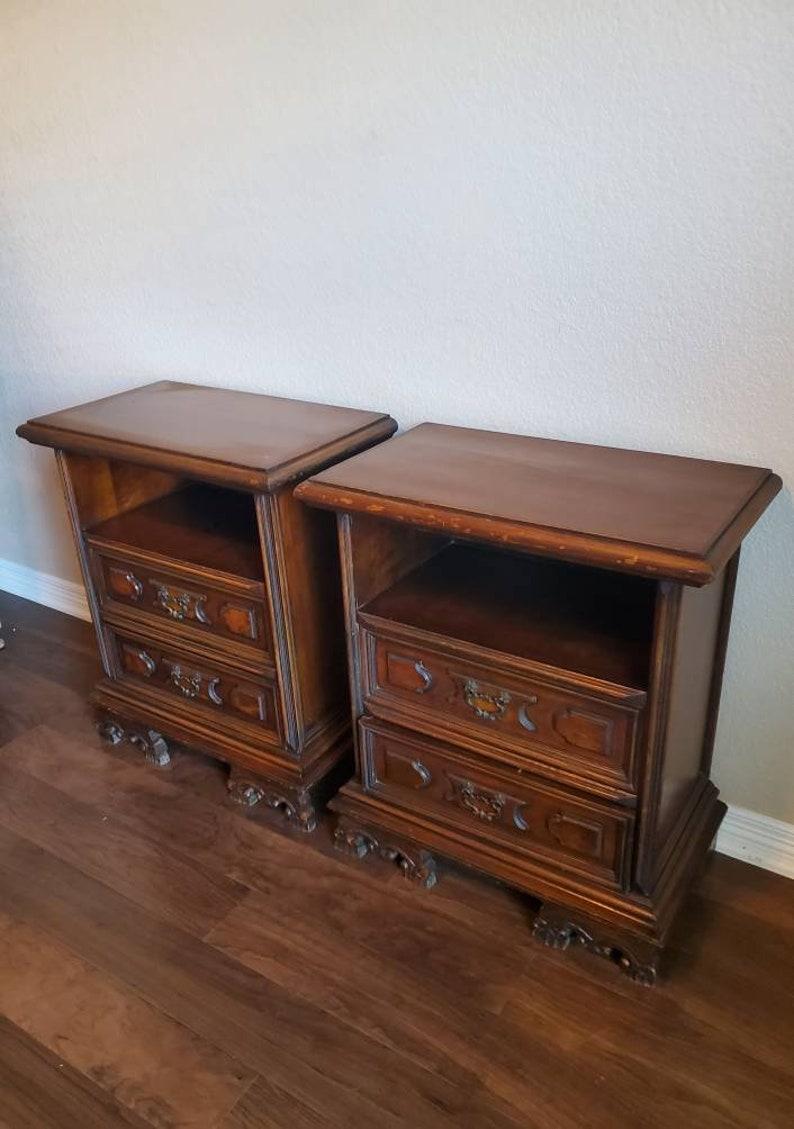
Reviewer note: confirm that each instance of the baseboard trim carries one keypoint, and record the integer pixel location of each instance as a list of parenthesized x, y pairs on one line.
[(758, 839), (52, 591)]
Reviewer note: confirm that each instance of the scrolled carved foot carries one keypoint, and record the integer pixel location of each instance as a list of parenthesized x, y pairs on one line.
[(644, 974), (244, 792), (153, 746), (297, 807), (551, 935), (354, 843), (555, 930), (417, 865), (110, 731)]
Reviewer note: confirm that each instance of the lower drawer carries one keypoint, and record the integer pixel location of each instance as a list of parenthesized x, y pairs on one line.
[(199, 683), (531, 818)]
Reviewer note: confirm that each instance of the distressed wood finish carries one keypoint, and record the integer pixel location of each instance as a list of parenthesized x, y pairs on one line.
[(545, 716), (214, 593)]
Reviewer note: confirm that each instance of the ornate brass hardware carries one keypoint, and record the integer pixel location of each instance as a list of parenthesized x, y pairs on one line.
[(187, 684), (487, 706), (481, 803), (179, 604)]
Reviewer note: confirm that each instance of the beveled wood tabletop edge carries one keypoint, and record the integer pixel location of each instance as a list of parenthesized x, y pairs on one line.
[(206, 469), (725, 545), (580, 548)]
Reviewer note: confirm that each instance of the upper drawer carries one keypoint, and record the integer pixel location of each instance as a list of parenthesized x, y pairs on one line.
[(181, 598), (582, 739), (499, 806)]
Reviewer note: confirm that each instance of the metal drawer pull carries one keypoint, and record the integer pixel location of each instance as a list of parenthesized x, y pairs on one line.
[(181, 605), (189, 685), (125, 583), (481, 803), (487, 706), (425, 675), (424, 773), (524, 718)]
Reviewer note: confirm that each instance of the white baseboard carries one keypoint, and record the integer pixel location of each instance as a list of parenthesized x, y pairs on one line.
[(758, 839), (746, 835), (52, 591)]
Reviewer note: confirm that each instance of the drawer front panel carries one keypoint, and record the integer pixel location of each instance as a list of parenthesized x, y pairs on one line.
[(197, 683), (535, 819), (539, 722), (180, 600)]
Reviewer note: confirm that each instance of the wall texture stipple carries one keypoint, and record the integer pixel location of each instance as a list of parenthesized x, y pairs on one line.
[(569, 219)]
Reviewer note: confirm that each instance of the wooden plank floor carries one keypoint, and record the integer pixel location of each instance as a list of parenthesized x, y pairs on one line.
[(166, 960)]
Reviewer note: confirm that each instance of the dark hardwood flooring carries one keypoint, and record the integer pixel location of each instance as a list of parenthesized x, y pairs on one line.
[(166, 960)]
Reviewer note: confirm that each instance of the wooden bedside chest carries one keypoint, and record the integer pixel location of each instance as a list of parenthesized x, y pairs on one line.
[(537, 632), (214, 593)]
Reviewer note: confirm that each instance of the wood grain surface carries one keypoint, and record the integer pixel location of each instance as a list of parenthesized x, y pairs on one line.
[(215, 434)]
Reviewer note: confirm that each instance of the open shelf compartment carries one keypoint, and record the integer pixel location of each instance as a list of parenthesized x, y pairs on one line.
[(569, 617), (197, 524)]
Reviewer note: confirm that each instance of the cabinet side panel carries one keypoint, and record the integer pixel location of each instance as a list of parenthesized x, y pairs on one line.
[(104, 488), (65, 467), (384, 551), (690, 700), (314, 606)]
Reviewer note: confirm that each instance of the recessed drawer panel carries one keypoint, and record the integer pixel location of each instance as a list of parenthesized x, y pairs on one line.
[(533, 722), (197, 682), (534, 819), (181, 599)]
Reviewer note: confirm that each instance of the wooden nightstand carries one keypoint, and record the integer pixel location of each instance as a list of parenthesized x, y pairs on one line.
[(537, 633), (214, 593)]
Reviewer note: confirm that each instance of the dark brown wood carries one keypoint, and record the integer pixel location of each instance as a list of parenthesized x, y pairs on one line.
[(651, 514), (217, 610), (545, 722), (242, 439), (339, 994)]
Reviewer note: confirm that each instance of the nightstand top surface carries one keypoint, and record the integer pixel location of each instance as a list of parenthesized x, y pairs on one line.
[(238, 438), (651, 514)]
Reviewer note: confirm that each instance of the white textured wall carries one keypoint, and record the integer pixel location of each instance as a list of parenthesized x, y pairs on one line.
[(563, 218)]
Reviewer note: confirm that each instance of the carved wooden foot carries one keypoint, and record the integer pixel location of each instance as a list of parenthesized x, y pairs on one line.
[(416, 864), (637, 958), (298, 807), (110, 731), (153, 746), (151, 743)]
